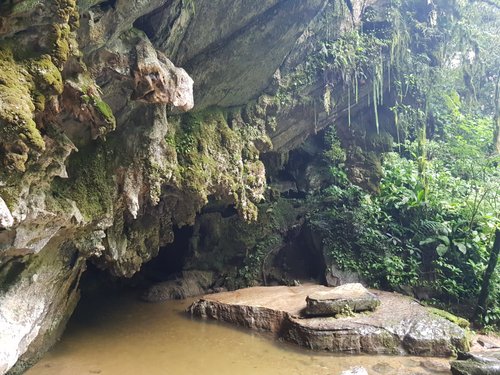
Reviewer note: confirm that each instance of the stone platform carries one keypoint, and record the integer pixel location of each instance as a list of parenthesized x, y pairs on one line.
[(399, 325)]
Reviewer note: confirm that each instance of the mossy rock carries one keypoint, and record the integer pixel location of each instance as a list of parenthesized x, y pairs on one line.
[(461, 322), (90, 183), (17, 110), (46, 75)]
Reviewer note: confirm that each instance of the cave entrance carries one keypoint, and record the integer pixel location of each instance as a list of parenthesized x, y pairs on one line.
[(167, 265), (300, 259), (170, 260)]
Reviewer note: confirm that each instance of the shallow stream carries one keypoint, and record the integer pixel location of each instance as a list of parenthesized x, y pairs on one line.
[(120, 335)]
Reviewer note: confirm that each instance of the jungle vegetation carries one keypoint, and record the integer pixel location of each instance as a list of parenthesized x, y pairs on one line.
[(433, 226)]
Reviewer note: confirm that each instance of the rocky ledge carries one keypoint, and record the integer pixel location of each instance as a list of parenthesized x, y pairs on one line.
[(482, 363), (398, 326)]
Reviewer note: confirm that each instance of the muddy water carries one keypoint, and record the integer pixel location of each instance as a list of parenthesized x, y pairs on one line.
[(119, 335)]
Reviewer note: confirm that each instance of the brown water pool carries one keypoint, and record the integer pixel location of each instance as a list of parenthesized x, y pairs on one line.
[(120, 335)]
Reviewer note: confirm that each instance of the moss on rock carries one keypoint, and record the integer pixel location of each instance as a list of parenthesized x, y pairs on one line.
[(90, 183), (46, 75), (461, 322), (102, 108), (16, 112), (214, 159)]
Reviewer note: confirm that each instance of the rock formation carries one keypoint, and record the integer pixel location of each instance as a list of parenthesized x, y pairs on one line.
[(98, 162), (347, 297), (487, 363), (95, 163), (398, 326)]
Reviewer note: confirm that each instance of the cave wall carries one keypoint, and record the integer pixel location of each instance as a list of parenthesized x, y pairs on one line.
[(98, 160)]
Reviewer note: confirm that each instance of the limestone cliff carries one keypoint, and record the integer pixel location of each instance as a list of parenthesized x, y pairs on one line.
[(97, 159)]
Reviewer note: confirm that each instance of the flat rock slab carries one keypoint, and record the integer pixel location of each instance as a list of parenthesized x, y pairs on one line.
[(347, 297), (398, 326)]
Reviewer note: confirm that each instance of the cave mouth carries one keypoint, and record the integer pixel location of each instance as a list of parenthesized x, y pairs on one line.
[(300, 259), (167, 265), (170, 261)]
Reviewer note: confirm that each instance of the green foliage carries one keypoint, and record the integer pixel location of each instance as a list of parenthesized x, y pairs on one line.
[(435, 236), (348, 60), (334, 152), (435, 66), (253, 270)]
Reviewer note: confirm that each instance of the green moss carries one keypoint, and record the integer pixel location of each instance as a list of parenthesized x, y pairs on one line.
[(68, 12), (207, 148), (216, 157), (16, 112), (461, 322), (28, 78), (39, 101), (10, 195), (61, 36), (46, 75), (90, 182), (24, 86), (105, 110)]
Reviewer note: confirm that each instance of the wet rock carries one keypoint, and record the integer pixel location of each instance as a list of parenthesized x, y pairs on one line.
[(335, 276), (397, 326), (488, 342), (350, 297), (435, 367), (382, 368), (266, 34), (190, 284), (487, 363), (34, 311)]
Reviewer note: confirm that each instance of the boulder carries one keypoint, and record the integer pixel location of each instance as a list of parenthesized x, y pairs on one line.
[(487, 363), (190, 284), (347, 297), (398, 326)]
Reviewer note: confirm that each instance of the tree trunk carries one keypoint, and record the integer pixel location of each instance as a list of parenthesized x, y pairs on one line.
[(485, 287)]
